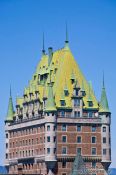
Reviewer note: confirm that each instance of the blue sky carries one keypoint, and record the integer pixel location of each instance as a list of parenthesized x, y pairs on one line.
[(92, 36)]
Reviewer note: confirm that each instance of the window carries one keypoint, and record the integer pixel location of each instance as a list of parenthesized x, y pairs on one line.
[(104, 151), (93, 164), (64, 150), (6, 135), (54, 128), (76, 114), (6, 145), (54, 150), (93, 139), (93, 151), (62, 113), (63, 138), (93, 128), (54, 138), (48, 150), (62, 102), (48, 128), (79, 139), (78, 128), (90, 114), (79, 150), (64, 127), (76, 102), (64, 164), (6, 156), (104, 139), (48, 139), (90, 103), (104, 129), (76, 92)]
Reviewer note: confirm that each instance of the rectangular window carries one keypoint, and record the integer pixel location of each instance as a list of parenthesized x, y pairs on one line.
[(62, 102), (6, 145), (48, 139), (78, 128), (93, 151), (76, 102), (104, 129), (54, 138), (104, 151), (64, 127), (93, 139), (6, 135), (62, 113), (78, 150), (64, 150), (104, 139), (63, 138), (48, 150), (48, 128), (93, 164), (79, 139), (64, 164), (93, 128), (90, 114)]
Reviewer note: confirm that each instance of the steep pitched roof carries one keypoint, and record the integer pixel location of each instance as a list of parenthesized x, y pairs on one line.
[(62, 64)]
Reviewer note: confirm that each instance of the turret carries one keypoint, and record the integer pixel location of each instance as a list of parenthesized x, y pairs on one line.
[(9, 119), (10, 112), (50, 130), (105, 115)]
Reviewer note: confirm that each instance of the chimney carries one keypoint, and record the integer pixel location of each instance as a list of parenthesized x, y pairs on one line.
[(50, 54)]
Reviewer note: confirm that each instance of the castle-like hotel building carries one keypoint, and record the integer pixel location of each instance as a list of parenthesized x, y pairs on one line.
[(56, 119)]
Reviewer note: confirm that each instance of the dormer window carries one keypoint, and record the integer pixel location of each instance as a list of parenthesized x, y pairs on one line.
[(90, 103), (76, 102), (62, 102), (66, 92)]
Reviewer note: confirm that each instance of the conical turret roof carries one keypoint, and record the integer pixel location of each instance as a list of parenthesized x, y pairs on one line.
[(104, 107), (50, 105), (79, 167), (10, 111)]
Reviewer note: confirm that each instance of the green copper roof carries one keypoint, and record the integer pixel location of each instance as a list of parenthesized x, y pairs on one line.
[(50, 105), (79, 166), (104, 102), (10, 111), (82, 88)]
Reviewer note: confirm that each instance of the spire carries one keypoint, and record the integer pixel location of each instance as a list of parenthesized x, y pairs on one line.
[(79, 166), (50, 105), (43, 50), (10, 111), (104, 107), (66, 41)]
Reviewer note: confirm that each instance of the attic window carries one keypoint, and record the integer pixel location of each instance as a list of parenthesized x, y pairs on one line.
[(90, 103), (62, 102), (66, 92), (83, 93)]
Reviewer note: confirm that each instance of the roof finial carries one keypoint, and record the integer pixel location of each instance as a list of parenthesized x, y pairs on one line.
[(103, 80), (66, 41), (43, 50), (10, 91)]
